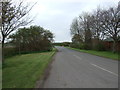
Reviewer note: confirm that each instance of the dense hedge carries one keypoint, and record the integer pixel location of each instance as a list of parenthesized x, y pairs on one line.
[(80, 46), (98, 47), (11, 51)]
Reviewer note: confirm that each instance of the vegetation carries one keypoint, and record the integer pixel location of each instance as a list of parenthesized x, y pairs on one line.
[(62, 44), (106, 54), (91, 29), (24, 39), (13, 17), (9, 51), (22, 71), (33, 44)]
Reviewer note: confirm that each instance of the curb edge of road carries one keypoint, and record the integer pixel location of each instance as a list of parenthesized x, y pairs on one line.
[(40, 83)]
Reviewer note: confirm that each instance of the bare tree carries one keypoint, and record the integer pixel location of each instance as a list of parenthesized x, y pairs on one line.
[(81, 29), (75, 27), (110, 23), (13, 16), (97, 31), (86, 26), (76, 30), (0, 20)]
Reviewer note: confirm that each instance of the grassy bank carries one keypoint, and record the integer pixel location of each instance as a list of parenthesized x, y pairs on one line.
[(22, 71), (106, 54)]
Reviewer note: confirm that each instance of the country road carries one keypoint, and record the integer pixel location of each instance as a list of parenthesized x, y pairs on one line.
[(73, 69)]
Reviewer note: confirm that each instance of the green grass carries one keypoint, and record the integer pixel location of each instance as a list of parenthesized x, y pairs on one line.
[(22, 71), (106, 54)]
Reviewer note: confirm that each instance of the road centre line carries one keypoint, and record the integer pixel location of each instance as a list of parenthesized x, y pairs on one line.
[(103, 69), (97, 66), (77, 57)]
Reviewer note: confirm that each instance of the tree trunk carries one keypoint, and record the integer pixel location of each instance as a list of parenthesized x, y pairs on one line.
[(19, 49), (3, 50), (114, 46)]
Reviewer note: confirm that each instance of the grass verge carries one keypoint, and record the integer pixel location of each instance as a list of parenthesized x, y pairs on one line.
[(106, 54), (22, 71)]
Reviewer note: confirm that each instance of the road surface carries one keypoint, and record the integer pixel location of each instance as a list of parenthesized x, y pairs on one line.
[(73, 69)]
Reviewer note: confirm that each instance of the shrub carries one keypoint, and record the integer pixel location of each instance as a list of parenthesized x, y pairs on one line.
[(9, 51), (81, 46), (99, 47), (74, 45)]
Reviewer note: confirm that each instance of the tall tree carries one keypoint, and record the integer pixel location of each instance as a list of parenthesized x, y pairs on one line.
[(13, 16), (86, 25), (77, 29), (97, 31), (110, 23), (81, 29)]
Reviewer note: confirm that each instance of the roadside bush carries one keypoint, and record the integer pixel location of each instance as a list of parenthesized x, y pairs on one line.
[(74, 45), (99, 47), (80, 46), (85, 46), (9, 51)]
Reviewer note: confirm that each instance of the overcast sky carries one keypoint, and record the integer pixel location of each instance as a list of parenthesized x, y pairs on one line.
[(57, 15)]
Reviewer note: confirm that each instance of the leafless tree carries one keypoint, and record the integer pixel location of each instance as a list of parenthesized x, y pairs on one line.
[(110, 23), (100, 24), (75, 27), (76, 30), (81, 28), (85, 20), (95, 23), (13, 17)]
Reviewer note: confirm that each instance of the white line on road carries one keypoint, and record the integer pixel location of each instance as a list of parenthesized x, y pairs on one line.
[(104, 69), (77, 57)]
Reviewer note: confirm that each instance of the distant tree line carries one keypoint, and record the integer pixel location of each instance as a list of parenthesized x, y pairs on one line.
[(89, 30), (62, 44)]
